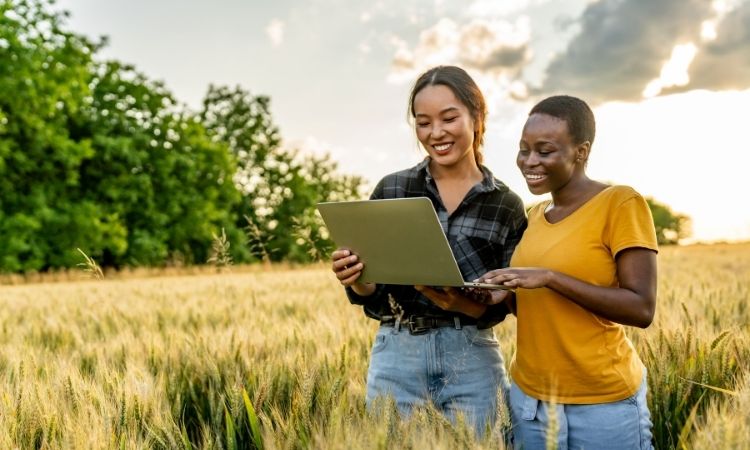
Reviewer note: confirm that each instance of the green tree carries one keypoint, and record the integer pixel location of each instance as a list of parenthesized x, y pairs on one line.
[(670, 226), (44, 75), (156, 171), (280, 186), (94, 155)]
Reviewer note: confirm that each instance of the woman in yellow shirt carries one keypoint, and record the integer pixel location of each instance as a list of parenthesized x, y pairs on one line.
[(585, 267)]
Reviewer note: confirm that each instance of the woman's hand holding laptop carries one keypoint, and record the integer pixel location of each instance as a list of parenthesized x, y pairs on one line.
[(347, 268), (453, 299)]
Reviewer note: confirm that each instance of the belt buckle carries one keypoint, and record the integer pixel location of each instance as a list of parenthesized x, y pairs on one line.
[(417, 326)]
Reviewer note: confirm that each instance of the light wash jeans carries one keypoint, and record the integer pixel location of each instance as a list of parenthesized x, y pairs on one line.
[(458, 371), (620, 425)]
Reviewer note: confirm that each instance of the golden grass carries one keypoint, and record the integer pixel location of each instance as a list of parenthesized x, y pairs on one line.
[(150, 361)]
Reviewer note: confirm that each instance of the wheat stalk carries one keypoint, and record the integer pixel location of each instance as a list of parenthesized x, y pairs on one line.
[(220, 256), (256, 241), (90, 266)]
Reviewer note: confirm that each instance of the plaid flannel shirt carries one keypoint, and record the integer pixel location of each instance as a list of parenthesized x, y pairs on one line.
[(483, 232)]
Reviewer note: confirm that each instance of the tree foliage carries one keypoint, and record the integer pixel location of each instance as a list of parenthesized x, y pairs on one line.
[(670, 226), (44, 77), (94, 155), (279, 186)]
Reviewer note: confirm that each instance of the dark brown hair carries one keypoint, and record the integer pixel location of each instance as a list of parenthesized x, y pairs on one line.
[(465, 89)]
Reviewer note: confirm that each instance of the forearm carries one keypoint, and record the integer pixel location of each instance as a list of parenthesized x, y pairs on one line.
[(363, 289), (510, 301), (620, 305), (472, 309), (452, 299), (355, 298)]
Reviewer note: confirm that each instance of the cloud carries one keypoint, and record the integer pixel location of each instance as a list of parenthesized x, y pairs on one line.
[(364, 48), (495, 8), (622, 47), (723, 63), (496, 46), (501, 8), (674, 72), (275, 32), (403, 64), (623, 50)]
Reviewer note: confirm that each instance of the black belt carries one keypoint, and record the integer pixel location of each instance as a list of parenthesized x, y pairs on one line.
[(423, 324)]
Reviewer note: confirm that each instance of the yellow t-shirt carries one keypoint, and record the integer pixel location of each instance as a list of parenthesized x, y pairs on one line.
[(565, 353)]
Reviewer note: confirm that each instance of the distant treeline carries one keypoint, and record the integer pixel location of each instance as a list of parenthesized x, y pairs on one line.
[(97, 157), (94, 155)]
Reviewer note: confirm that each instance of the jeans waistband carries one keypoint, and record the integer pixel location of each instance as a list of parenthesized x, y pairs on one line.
[(422, 324)]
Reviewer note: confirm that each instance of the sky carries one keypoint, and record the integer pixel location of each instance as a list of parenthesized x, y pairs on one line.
[(668, 80)]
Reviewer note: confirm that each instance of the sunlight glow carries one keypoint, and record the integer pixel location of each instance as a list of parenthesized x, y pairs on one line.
[(708, 30), (674, 72), (724, 6), (275, 32), (493, 8), (679, 149)]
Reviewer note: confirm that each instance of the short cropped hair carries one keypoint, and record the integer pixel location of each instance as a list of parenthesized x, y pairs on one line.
[(574, 111)]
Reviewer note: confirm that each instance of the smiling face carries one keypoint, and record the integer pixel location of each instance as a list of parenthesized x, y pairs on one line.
[(547, 156), (444, 126)]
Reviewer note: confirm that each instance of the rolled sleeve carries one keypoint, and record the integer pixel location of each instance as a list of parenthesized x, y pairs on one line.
[(493, 315), (356, 299)]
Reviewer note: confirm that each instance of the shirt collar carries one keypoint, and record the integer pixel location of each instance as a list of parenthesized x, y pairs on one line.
[(488, 183)]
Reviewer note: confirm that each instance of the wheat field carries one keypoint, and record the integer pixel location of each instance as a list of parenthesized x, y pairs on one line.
[(275, 357)]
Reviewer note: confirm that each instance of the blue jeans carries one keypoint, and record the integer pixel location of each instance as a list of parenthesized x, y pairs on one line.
[(457, 371), (620, 425)]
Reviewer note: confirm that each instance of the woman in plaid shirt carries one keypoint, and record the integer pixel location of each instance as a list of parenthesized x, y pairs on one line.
[(437, 346)]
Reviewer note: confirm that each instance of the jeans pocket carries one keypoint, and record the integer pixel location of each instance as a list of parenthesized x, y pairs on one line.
[(380, 343), (528, 410), (522, 405), (481, 338)]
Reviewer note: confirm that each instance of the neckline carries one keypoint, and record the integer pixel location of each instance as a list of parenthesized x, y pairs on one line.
[(575, 211), (487, 182)]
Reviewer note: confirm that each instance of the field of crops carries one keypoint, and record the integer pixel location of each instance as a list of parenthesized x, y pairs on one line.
[(276, 358)]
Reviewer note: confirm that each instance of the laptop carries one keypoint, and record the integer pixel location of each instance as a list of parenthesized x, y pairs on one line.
[(400, 241)]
